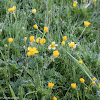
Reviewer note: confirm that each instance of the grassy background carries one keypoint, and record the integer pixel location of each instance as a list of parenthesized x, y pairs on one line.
[(27, 78)]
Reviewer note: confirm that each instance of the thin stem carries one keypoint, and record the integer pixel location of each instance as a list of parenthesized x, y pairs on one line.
[(77, 94), (82, 33), (3, 57)]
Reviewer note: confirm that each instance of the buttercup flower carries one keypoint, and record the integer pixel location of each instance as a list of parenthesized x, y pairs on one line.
[(51, 85), (56, 53), (12, 9), (82, 80), (86, 23), (52, 46), (25, 38), (64, 38), (10, 40), (72, 44), (54, 98), (35, 26), (94, 79), (84, 0), (32, 38), (99, 85), (73, 85), (80, 61), (34, 11), (94, 0), (46, 29), (75, 3), (42, 41), (63, 42), (38, 39), (32, 51)]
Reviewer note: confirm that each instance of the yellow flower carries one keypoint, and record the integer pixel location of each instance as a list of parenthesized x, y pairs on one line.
[(75, 3), (12, 9), (86, 23), (73, 85), (56, 53), (35, 26), (46, 29), (99, 85), (93, 82), (82, 80), (25, 38), (32, 51), (54, 98), (52, 46), (38, 39), (94, 79), (94, 0), (84, 0), (51, 85), (80, 61), (10, 40), (72, 44), (65, 38), (34, 11), (42, 41), (63, 42), (32, 38)]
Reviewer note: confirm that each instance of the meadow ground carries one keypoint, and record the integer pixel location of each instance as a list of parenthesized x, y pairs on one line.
[(49, 50)]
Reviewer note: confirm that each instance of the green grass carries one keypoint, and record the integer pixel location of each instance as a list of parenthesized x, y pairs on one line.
[(27, 78)]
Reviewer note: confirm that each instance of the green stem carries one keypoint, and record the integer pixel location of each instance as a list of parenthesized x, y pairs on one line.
[(77, 94), (82, 33), (3, 57)]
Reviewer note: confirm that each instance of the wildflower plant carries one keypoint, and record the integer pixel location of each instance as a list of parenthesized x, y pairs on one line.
[(28, 70)]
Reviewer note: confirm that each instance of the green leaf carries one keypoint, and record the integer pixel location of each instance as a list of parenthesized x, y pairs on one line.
[(12, 92)]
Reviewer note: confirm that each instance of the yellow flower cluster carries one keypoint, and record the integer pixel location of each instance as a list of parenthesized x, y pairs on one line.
[(32, 51), (82, 80), (45, 28), (38, 40), (51, 85), (64, 39), (93, 82), (12, 9)]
